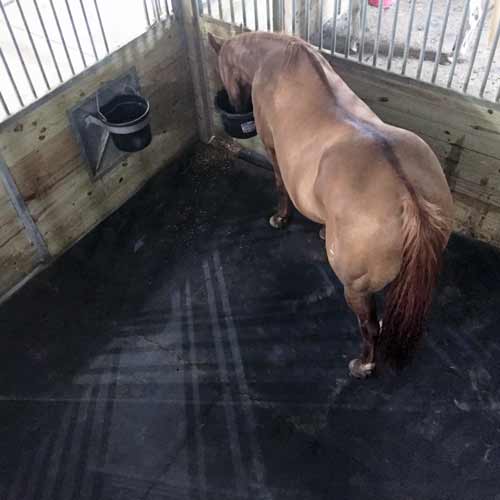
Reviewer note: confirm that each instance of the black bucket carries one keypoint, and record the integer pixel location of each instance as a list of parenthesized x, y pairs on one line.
[(127, 119), (238, 125)]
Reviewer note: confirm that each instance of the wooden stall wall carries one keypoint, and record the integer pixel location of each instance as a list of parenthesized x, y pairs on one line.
[(463, 131), (18, 256), (44, 159)]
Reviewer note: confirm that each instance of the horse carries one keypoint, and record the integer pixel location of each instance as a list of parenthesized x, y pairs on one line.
[(378, 191)]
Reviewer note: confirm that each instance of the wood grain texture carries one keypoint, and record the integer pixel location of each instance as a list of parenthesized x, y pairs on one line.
[(44, 157), (463, 131), (18, 256)]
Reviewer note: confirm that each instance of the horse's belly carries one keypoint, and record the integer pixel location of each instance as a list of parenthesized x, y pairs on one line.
[(300, 183)]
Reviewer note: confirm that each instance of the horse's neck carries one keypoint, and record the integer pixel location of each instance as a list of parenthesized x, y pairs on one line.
[(253, 51)]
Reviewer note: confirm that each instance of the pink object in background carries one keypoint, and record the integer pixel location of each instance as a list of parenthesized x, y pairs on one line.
[(374, 3)]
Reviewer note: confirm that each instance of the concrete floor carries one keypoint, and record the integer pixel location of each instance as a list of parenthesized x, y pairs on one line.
[(187, 350)]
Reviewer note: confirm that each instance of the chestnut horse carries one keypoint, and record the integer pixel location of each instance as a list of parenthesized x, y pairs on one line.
[(378, 190)]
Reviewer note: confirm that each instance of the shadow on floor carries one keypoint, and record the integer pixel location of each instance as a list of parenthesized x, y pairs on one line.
[(186, 350)]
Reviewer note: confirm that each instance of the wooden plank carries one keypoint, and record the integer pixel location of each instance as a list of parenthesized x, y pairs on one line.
[(10, 225), (476, 219), (17, 254), (18, 258)]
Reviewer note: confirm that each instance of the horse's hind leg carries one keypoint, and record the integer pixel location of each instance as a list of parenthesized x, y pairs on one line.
[(281, 218), (363, 305)]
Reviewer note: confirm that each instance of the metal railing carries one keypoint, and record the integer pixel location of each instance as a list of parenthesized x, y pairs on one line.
[(46, 42), (449, 43)]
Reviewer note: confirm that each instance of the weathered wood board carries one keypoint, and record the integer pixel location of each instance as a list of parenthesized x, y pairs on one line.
[(44, 158), (18, 256), (463, 131)]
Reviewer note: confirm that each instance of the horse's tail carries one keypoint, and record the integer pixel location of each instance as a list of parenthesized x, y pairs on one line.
[(425, 234)]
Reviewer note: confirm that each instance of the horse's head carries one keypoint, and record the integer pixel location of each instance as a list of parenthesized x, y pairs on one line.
[(230, 73)]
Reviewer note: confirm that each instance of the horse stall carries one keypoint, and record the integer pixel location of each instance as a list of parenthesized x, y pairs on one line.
[(160, 340)]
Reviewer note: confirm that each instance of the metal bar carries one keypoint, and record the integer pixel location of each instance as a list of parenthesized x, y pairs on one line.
[(424, 44), (47, 39), (11, 77), (497, 98), (308, 20), (441, 41), (294, 13), (84, 12), (458, 43), (408, 36), (321, 4), (283, 17), (268, 15), (209, 7), (377, 36), (61, 35), (23, 212), (4, 104), (348, 34), (256, 15), (334, 26), (393, 35), (476, 45), (33, 46), (154, 6), (364, 9), (158, 9), (167, 8), (76, 33), (231, 9), (103, 33), (221, 13), (243, 11), (146, 12), (277, 16), (18, 50), (490, 61)]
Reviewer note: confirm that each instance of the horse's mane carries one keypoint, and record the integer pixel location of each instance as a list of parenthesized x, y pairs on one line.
[(295, 48)]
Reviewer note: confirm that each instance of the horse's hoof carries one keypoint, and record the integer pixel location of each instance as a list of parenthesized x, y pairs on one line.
[(361, 370), (322, 233), (278, 222)]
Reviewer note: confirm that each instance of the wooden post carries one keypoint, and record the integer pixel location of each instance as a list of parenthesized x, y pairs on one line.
[(187, 14)]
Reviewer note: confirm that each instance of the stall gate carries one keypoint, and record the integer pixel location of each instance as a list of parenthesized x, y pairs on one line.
[(449, 43)]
